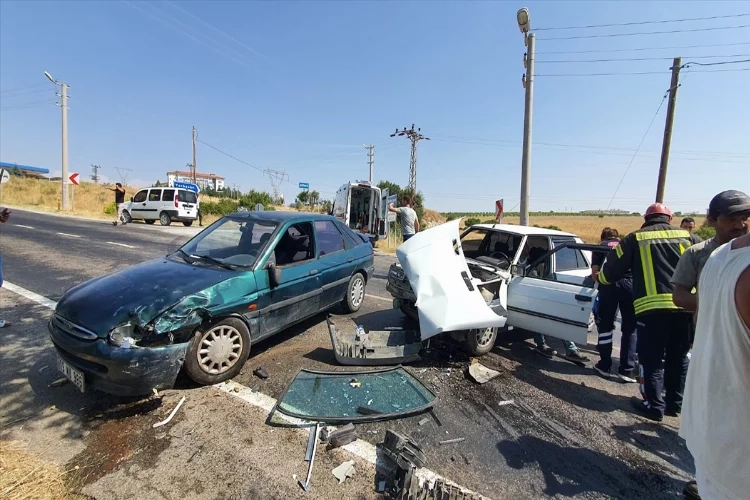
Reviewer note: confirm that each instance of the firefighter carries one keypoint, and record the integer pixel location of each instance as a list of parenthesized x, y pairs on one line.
[(652, 253), (611, 298)]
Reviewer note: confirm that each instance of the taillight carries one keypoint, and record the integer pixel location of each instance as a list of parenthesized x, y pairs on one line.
[(176, 197)]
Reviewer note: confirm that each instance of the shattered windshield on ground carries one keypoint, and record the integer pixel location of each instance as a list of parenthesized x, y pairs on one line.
[(355, 396)]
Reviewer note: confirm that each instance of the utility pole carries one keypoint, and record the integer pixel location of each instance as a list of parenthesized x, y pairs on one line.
[(95, 173), (522, 16), (191, 171), (414, 136), (195, 163), (64, 106), (667, 143), (371, 158)]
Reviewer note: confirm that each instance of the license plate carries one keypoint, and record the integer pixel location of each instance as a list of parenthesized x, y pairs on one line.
[(73, 374)]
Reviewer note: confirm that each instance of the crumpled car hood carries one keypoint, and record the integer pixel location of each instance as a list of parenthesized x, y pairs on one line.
[(447, 301), (138, 294)]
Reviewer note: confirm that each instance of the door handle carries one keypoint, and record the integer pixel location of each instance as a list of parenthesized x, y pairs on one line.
[(583, 298), (313, 272), (144, 204)]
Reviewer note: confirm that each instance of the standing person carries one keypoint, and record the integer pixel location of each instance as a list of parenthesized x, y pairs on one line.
[(688, 224), (119, 203), (716, 415), (409, 220), (611, 298), (4, 215), (728, 213), (652, 253)]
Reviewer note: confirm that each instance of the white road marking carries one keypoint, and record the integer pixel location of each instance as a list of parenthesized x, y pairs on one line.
[(70, 235), (21, 225), (378, 297), (361, 448), (120, 244), (44, 301)]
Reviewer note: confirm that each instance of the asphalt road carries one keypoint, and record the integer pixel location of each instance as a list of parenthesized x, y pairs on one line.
[(568, 433)]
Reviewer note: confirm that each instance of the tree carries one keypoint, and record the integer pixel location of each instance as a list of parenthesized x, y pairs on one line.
[(16, 171), (158, 183), (416, 199), (303, 196), (314, 197)]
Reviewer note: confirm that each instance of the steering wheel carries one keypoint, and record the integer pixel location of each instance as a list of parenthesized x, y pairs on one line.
[(498, 256)]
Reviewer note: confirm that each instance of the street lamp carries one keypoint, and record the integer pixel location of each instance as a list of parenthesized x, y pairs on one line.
[(524, 24), (64, 106)]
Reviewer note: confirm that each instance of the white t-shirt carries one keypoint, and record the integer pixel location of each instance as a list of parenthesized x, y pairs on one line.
[(716, 407)]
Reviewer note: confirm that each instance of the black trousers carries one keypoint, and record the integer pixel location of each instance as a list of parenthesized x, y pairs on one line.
[(663, 344), (611, 298)]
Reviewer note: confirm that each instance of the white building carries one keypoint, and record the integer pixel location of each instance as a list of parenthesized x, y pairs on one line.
[(204, 181)]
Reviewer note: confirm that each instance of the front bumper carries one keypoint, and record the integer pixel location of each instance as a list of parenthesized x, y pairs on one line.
[(115, 370), (398, 285)]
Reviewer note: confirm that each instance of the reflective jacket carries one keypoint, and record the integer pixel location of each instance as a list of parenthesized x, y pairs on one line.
[(652, 253)]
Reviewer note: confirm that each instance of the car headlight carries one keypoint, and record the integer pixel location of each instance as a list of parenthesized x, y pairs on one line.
[(121, 336)]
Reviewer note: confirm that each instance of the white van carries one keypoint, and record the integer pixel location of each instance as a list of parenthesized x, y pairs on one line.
[(165, 204), (363, 207)]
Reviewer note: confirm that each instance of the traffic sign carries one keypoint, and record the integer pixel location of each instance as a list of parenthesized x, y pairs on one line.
[(498, 209), (304, 185), (259, 207), (4, 176), (391, 200), (74, 178), (186, 185)]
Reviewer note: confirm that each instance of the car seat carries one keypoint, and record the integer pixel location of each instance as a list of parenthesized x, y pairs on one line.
[(534, 254)]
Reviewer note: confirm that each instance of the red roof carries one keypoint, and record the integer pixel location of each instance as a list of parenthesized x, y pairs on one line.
[(197, 175)]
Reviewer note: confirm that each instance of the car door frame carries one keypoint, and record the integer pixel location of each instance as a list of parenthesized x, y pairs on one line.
[(153, 207), (337, 264), (138, 208), (383, 213), (277, 302), (549, 306)]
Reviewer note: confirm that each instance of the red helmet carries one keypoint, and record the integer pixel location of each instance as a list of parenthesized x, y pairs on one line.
[(657, 209)]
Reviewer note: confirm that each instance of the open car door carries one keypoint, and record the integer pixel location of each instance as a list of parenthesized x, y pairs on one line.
[(383, 214), (541, 303)]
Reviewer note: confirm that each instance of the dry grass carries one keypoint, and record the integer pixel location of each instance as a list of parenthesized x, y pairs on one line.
[(26, 476)]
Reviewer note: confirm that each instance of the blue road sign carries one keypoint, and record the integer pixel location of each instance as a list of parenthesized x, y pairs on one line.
[(186, 185), (304, 185), (392, 199)]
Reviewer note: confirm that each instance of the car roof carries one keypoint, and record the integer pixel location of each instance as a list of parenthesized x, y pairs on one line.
[(524, 230), (281, 217)]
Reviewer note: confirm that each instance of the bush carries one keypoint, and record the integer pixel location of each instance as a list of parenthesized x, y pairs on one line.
[(470, 221), (222, 207), (705, 231), (551, 226), (110, 209)]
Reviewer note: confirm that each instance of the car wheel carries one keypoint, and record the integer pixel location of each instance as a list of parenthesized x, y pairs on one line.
[(355, 293), (149, 221), (187, 223), (126, 217), (218, 351), (165, 219), (480, 341), (409, 309)]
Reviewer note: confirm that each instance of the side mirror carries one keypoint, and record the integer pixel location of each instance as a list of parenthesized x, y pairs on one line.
[(132, 198), (274, 274), (517, 270)]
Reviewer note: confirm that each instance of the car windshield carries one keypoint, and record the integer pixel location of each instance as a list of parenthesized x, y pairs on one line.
[(483, 242), (231, 241)]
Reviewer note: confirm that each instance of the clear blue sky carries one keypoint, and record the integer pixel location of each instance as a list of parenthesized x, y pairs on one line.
[(300, 86)]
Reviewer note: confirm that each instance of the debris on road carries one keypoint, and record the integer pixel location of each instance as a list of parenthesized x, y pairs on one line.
[(403, 450), (424, 421), (506, 402), (169, 418), (260, 373), (451, 441), (310, 445), (344, 470), (306, 484), (342, 436), (59, 382), (394, 346), (480, 373)]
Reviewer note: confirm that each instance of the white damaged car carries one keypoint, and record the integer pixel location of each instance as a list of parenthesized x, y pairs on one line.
[(494, 277)]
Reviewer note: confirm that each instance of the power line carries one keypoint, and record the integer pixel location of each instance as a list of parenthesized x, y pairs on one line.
[(639, 33), (27, 105), (715, 63), (637, 23), (636, 73), (227, 154), (19, 89), (639, 59), (636, 49)]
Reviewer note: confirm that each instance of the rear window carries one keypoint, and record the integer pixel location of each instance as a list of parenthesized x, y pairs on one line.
[(187, 196), (350, 235), (167, 195)]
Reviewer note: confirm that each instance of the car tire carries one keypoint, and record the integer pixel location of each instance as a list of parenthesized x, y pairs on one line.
[(187, 223), (218, 351), (480, 341), (409, 309), (355, 293), (165, 219), (126, 217), (149, 221)]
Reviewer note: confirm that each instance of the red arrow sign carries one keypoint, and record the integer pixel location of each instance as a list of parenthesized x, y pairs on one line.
[(498, 209), (74, 178)]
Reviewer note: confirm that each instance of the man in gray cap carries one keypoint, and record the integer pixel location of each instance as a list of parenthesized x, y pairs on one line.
[(728, 213)]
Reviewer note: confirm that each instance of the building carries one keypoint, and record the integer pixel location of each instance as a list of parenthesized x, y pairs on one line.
[(27, 171), (204, 181)]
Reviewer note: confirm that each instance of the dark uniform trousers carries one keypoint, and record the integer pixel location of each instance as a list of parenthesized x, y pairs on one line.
[(611, 298), (663, 344)]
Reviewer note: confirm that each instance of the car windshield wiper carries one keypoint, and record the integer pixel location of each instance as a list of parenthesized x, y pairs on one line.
[(213, 261), (184, 256)]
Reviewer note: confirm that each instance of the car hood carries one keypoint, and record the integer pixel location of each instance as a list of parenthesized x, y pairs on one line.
[(447, 298), (138, 294)]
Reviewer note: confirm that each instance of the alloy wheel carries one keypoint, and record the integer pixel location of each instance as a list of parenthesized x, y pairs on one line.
[(358, 291), (220, 349)]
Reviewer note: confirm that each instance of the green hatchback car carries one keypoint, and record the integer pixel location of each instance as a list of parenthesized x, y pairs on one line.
[(244, 278)]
